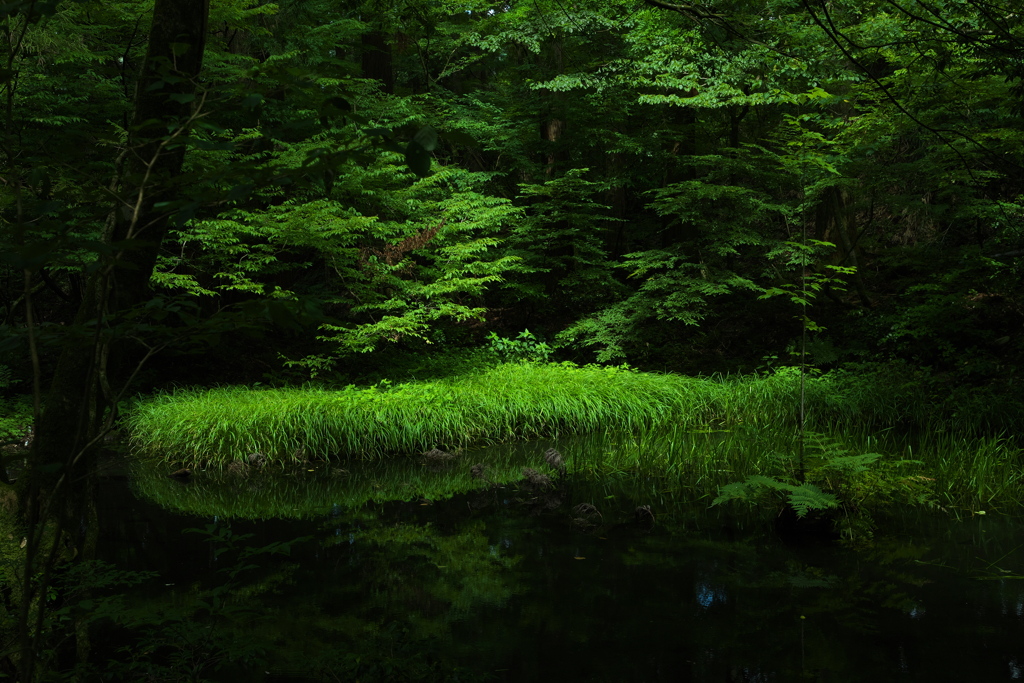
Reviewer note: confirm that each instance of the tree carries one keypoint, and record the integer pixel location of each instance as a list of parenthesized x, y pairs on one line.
[(54, 490), (631, 181)]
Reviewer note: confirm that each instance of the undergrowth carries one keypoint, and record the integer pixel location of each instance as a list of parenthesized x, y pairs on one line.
[(850, 485), (199, 427), (700, 433), (15, 411), (501, 403), (202, 427)]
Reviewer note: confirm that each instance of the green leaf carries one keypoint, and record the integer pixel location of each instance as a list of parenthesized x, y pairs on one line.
[(807, 497), (851, 463)]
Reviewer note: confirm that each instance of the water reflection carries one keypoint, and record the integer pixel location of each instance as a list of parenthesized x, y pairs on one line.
[(708, 595), (498, 582), (325, 489)]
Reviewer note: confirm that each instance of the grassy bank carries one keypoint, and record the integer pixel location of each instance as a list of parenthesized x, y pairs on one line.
[(516, 401), (692, 435), (501, 403)]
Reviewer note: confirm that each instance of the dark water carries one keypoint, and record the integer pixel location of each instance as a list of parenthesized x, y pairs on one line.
[(517, 583)]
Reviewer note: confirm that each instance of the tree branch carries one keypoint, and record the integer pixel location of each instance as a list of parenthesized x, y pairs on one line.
[(691, 11)]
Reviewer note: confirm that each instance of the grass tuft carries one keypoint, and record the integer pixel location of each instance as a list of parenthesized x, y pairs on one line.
[(699, 433), (502, 403)]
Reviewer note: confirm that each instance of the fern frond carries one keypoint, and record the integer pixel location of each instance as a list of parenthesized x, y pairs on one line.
[(749, 489), (737, 490), (851, 463), (807, 497)]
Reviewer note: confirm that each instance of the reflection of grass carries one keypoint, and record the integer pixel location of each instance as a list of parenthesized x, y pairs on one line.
[(651, 467), (659, 465), (305, 492)]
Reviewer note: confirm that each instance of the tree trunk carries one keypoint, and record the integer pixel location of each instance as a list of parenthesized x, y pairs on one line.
[(152, 166), (377, 62), (62, 462)]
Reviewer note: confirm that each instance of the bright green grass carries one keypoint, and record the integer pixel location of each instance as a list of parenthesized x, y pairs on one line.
[(496, 404), (638, 422), (971, 473), (502, 403)]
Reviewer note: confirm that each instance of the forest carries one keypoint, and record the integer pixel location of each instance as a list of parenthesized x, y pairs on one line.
[(240, 235)]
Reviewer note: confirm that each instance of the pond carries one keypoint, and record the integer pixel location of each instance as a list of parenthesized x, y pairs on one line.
[(588, 578)]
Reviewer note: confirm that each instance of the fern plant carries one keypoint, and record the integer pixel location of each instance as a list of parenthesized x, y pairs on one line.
[(803, 498), (852, 486)]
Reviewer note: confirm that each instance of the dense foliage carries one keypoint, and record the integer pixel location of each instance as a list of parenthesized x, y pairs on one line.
[(628, 181), (240, 191)]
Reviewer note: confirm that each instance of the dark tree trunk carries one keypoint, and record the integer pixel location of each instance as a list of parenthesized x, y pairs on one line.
[(377, 61), (152, 166), (53, 494)]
